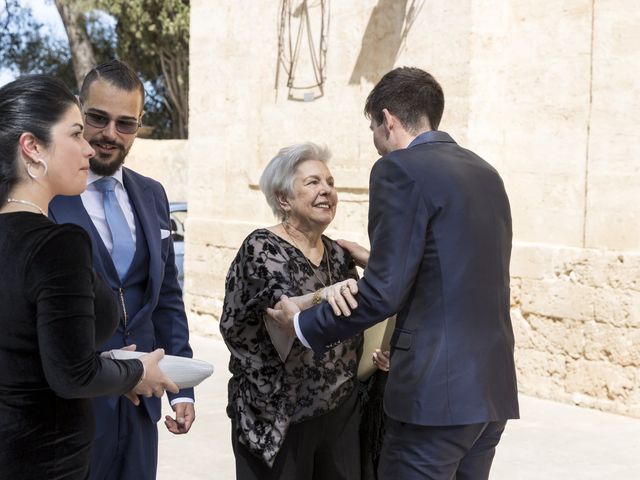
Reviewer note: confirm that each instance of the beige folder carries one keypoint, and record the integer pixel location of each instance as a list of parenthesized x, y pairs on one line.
[(375, 337)]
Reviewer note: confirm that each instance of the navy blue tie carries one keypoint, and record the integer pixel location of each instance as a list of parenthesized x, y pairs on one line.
[(123, 246)]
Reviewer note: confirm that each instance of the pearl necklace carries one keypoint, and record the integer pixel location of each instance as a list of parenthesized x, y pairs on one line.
[(26, 202)]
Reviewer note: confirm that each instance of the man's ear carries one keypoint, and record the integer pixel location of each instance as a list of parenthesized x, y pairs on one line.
[(389, 120)]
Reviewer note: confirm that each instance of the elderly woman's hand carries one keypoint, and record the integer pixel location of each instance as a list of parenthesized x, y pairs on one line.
[(340, 296), (282, 314), (381, 360)]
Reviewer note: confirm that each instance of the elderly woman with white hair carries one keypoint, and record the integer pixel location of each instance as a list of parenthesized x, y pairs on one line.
[(296, 415)]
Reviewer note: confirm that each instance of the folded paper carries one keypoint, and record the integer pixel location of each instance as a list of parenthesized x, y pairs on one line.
[(184, 372)]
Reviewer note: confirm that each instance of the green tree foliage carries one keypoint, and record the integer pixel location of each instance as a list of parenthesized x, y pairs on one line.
[(151, 35), (26, 48)]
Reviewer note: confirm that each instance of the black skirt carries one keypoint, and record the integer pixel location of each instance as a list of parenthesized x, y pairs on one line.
[(372, 423)]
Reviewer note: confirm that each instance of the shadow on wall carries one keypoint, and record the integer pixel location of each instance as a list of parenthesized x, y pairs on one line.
[(386, 31)]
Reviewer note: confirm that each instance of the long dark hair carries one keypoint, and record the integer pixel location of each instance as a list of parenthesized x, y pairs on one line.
[(33, 103)]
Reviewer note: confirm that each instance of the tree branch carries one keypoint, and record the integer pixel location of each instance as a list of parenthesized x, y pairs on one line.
[(82, 55)]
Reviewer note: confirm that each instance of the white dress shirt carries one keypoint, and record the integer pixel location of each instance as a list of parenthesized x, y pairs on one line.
[(296, 325)]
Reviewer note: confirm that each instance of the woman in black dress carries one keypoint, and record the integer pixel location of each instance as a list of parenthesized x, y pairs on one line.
[(295, 415), (53, 309)]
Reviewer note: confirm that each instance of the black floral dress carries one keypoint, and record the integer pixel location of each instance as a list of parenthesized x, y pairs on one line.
[(265, 394)]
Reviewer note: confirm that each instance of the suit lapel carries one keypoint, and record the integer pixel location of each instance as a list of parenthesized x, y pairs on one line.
[(143, 203)]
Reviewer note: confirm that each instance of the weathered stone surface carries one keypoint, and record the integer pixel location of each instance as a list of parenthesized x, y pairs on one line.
[(585, 309), (165, 161), (613, 187)]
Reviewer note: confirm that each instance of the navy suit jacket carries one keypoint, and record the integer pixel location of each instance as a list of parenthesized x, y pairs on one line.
[(161, 322), (440, 233)]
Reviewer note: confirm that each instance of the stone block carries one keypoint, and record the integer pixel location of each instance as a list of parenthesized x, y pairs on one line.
[(615, 307), (620, 346), (539, 373), (164, 161), (555, 298), (600, 379), (530, 261), (613, 210)]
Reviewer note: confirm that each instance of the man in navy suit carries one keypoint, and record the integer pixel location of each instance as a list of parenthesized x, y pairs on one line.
[(440, 233), (137, 261)]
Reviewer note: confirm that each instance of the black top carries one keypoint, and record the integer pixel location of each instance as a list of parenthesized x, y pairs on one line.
[(266, 395), (54, 310)]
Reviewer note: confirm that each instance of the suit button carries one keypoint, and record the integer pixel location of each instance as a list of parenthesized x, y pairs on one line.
[(128, 334)]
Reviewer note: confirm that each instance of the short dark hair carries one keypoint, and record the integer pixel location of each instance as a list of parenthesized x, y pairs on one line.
[(34, 104), (409, 93), (117, 73)]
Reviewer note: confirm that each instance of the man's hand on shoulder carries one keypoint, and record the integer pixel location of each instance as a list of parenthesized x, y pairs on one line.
[(185, 416), (358, 252)]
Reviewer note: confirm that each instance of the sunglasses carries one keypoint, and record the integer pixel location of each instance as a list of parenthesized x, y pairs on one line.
[(97, 120)]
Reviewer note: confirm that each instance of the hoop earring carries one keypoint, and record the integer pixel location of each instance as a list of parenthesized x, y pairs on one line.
[(32, 175)]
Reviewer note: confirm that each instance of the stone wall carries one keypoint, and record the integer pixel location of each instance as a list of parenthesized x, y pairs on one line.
[(546, 91), (576, 317), (162, 160)]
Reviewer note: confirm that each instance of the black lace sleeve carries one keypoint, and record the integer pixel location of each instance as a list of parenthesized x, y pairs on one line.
[(257, 278)]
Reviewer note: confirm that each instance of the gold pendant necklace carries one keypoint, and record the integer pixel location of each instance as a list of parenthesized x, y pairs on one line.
[(315, 274)]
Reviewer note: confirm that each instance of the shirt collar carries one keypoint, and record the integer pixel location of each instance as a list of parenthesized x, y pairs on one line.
[(430, 137), (94, 178)]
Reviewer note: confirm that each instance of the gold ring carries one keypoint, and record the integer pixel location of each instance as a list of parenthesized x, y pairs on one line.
[(343, 288)]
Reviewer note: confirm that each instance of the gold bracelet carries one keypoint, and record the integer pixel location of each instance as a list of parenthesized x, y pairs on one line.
[(317, 297)]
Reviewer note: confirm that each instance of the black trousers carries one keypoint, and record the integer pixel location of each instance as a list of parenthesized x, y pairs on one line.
[(416, 452), (322, 448)]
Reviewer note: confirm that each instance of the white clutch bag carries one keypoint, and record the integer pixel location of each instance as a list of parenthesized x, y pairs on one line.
[(184, 372)]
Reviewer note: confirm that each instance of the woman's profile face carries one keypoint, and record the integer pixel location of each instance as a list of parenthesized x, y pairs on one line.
[(68, 155), (314, 197)]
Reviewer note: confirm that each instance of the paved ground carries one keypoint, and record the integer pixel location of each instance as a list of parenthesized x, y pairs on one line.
[(551, 441)]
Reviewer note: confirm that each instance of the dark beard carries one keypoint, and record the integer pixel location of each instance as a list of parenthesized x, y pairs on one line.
[(107, 168)]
